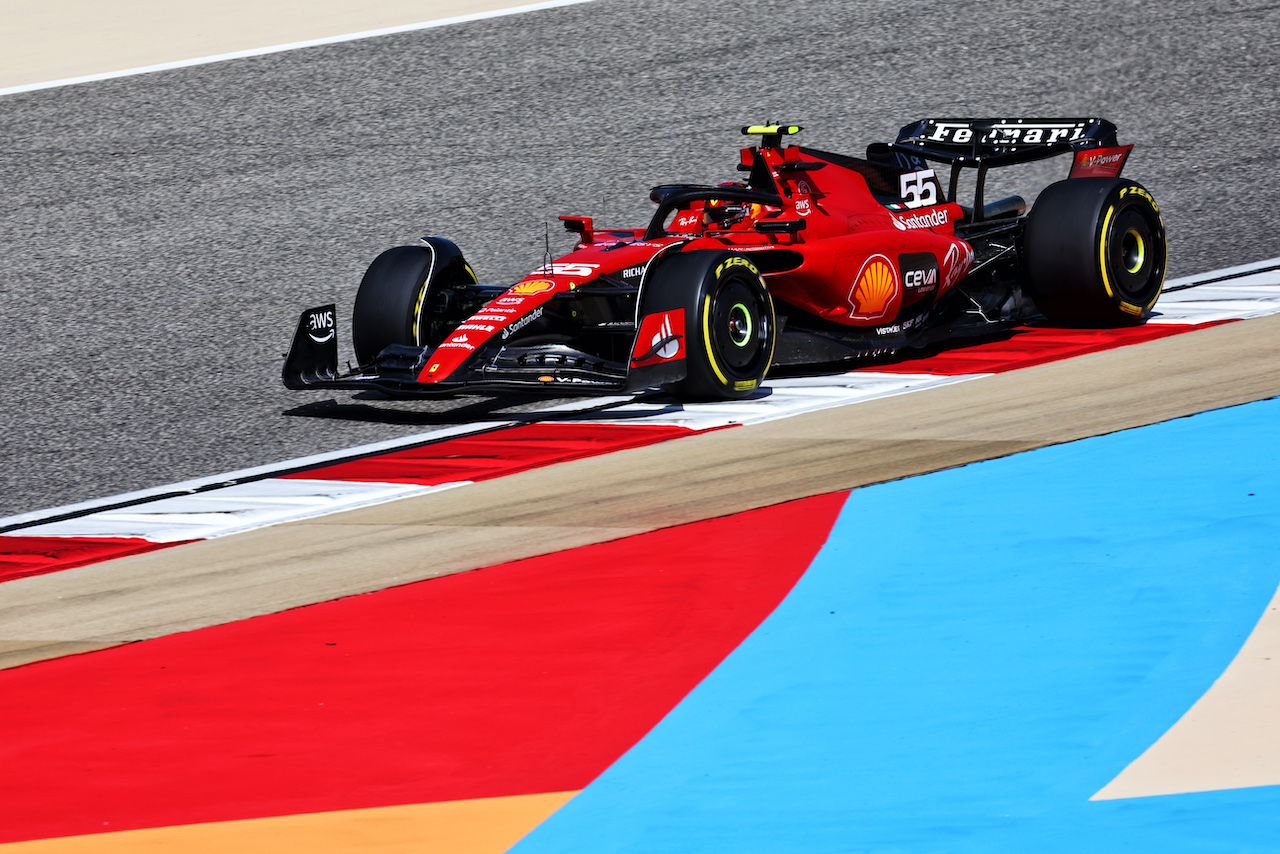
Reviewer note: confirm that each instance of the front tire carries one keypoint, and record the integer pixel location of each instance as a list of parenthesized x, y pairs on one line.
[(1095, 252), (394, 305), (730, 325)]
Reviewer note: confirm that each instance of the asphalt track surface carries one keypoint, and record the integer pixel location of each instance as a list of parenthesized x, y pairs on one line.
[(163, 231)]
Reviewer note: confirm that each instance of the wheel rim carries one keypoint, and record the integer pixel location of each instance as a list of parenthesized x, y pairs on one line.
[(740, 325), (739, 328), (1133, 252)]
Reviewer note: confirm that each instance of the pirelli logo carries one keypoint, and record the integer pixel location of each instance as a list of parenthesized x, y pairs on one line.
[(1138, 191), (736, 261)]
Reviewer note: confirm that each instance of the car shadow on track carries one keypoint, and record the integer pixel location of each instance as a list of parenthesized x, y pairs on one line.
[(405, 413), (371, 407)]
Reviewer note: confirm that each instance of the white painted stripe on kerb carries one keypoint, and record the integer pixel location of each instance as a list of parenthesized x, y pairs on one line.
[(1253, 291), (256, 473), (780, 398), (262, 51), (232, 510)]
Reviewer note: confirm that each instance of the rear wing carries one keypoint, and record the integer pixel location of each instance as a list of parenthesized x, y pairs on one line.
[(983, 143), (1002, 142)]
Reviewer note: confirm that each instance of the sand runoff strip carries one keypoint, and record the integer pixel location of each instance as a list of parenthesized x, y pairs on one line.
[(43, 41)]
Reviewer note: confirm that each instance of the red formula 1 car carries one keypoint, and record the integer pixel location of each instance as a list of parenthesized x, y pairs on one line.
[(814, 259)]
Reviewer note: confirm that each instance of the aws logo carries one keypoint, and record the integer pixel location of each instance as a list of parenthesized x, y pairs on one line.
[(320, 325), (874, 288)]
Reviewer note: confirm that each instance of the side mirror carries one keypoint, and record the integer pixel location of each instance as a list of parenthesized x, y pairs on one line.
[(581, 226), (780, 226)]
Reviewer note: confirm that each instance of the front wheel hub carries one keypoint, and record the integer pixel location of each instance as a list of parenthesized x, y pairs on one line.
[(740, 325)]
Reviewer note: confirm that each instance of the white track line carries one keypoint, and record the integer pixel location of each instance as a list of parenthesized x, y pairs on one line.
[(262, 51), (1243, 269), (234, 478), (232, 510)]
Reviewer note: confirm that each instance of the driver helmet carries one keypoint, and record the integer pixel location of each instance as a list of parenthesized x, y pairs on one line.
[(724, 214)]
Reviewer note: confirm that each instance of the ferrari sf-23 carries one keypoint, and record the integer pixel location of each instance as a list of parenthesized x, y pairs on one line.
[(813, 259)]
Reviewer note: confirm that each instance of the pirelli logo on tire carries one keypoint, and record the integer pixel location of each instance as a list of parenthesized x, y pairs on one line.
[(736, 261), (1138, 191)]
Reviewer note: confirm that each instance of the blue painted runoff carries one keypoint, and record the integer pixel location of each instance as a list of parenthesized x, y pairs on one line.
[(972, 655)]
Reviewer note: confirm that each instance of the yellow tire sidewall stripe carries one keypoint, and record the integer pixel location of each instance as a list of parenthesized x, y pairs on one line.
[(1102, 251)]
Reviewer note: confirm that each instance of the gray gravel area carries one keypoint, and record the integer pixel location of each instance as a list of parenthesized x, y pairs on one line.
[(161, 233)]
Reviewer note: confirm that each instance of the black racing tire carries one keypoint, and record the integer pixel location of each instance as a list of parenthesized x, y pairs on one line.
[(730, 324), (393, 305), (1095, 252)]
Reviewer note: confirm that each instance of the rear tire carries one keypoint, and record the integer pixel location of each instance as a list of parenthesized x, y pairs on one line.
[(393, 305), (730, 325), (1095, 252)]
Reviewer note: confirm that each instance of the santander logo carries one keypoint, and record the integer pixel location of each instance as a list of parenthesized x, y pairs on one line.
[(926, 219)]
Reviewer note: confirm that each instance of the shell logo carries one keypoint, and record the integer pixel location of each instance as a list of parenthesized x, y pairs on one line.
[(875, 287), (536, 286)]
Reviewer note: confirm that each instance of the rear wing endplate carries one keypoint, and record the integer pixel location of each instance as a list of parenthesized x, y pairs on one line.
[(313, 356)]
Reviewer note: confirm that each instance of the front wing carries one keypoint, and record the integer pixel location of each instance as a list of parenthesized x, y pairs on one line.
[(546, 368)]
